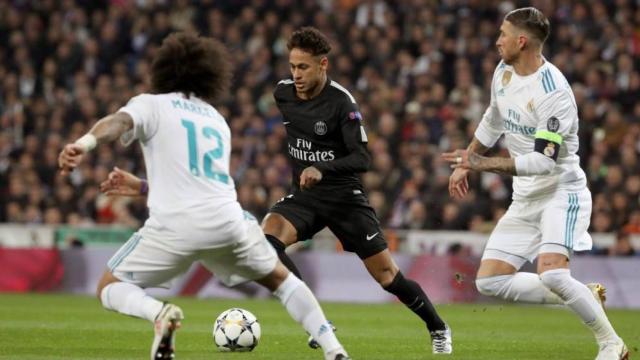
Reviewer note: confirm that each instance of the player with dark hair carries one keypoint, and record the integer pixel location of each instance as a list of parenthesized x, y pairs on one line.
[(327, 147), (194, 212), (326, 141), (533, 106)]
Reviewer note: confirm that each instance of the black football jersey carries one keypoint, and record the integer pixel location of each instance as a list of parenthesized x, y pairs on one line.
[(326, 132)]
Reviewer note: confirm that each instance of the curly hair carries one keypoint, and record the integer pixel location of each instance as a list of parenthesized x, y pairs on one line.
[(531, 20), (309, 39), (189, 63)]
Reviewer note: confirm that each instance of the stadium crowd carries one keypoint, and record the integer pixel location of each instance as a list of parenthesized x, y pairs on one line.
[(419, 69)]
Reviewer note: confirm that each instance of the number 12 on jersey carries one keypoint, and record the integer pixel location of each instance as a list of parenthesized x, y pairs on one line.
[(208, 159)]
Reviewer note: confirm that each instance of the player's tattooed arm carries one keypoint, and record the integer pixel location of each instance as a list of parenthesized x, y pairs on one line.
[(500, 165), (472, 158), (107, 129), (477, 147), (112, 127)]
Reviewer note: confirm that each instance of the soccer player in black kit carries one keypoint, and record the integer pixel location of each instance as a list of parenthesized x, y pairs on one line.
[(326, 142)]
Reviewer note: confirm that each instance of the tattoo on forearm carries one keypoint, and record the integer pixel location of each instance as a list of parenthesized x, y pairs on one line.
[(111, 127), (477, 147), (498, 165)]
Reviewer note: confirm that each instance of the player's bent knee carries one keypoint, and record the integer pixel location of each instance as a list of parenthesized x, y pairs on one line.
[(385, 276), (556, 279), (275, 278), (280, 228), (551, 261), (107, 278), (382, 268), (494, 285)]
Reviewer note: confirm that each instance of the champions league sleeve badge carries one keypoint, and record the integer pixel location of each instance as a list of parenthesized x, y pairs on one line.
[(553, 124), (355, 115)]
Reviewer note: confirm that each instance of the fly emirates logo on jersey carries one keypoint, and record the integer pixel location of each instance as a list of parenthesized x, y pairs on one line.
[(511, 124), (303, 150)]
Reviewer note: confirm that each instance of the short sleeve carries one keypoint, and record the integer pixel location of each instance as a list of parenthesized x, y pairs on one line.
[(556, 114), (145, 122)]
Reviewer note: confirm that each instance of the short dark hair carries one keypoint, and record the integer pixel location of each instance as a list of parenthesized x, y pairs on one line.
[(309, 39), (189, 63), (532, 20)]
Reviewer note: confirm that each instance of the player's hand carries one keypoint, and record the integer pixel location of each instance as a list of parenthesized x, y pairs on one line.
[(309, 177), (459, 183), (70, 157), (458, 159), (121, 183)]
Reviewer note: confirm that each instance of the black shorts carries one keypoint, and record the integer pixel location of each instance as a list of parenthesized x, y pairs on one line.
[(351, 219)]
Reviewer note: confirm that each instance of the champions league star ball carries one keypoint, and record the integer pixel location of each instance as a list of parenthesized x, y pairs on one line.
[(236, 330)]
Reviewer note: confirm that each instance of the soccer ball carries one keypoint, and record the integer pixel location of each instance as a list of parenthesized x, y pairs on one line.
[(236, 330)]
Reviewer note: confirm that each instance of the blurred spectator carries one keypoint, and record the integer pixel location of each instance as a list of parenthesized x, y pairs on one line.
[(420, 73), (622, 246)]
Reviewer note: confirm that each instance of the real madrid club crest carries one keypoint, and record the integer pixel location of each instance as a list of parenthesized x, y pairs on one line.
[(320, 128), (530, 105), (506, 77), (550, 150)]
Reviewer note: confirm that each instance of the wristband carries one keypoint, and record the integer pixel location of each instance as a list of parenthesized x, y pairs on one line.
[(88, 142), (144, 187)]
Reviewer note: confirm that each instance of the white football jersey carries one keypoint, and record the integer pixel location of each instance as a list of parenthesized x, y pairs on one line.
[(522, 106), (186, 145)]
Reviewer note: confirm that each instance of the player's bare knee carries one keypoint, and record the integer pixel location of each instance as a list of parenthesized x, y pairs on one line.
[(277, 226), (493, 267), (385, 275), (551, 261)]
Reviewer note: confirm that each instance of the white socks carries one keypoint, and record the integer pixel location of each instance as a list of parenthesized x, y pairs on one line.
[(580, 299), (130, 300), (551, 287), (304, 308), (521, 286)]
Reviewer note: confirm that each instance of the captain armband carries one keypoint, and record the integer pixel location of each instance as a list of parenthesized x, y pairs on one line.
[(548, 143)]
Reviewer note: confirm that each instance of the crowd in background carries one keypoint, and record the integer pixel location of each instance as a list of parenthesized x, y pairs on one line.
[(419, 69)]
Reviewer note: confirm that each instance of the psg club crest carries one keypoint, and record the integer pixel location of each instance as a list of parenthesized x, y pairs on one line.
[(506, 77), (320, 128)]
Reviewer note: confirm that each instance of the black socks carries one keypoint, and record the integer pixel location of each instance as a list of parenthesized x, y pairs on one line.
[(411, 294)]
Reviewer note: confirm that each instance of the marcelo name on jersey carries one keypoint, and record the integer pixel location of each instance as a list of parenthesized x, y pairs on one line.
[(303, 150)]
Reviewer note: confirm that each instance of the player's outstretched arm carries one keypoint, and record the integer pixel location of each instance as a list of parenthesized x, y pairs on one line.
[(123, 183), (464, 159), (107, 129), (471, 159)]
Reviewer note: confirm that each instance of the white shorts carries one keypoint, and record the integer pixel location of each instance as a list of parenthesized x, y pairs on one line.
[(554, 224), (150, 258)]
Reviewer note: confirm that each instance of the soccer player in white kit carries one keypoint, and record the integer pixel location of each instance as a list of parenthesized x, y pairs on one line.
[(533, 106), (194, 214)]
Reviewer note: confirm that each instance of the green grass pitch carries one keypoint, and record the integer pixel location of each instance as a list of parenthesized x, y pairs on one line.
[(38, 326)]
